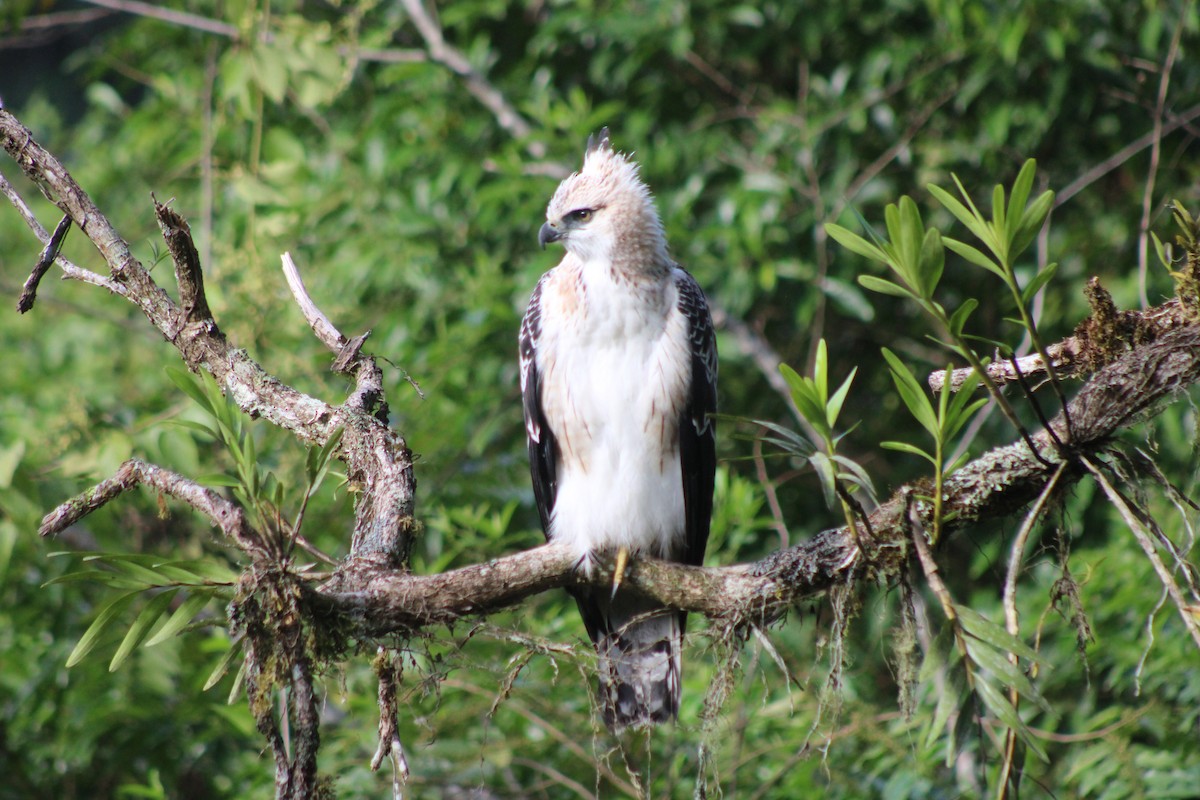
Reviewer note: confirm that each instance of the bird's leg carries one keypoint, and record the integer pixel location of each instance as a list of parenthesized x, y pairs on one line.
[(619, 568)]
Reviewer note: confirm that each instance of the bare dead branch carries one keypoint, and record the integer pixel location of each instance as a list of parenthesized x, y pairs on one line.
[(325, 330), (188, 274), (227, 516), (44, 262)]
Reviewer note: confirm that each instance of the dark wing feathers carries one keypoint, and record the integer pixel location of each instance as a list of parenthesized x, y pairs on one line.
[(542, 446), (697, 429)]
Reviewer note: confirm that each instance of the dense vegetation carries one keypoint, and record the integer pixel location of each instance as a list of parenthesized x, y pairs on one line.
[(411, 201)]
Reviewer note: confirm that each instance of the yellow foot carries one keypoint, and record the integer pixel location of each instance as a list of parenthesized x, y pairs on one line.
[(619, 568)]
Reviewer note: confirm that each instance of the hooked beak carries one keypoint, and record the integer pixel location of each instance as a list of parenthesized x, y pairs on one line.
[(547, 234)]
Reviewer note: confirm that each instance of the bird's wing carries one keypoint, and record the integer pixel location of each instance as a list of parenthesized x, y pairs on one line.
[(542, 447), (697, 429)]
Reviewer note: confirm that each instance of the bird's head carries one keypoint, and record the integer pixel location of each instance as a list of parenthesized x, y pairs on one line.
[(605, 212)]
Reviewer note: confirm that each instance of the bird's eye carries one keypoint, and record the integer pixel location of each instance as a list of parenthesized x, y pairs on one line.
[(581, 215)]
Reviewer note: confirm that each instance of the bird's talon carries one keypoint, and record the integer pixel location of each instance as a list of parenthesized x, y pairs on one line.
[(619, 568)]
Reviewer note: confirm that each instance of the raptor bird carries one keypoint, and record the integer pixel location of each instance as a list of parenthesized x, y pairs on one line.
[(619, 379)]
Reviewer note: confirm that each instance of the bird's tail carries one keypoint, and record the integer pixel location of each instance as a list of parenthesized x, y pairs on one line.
[(639, 662)]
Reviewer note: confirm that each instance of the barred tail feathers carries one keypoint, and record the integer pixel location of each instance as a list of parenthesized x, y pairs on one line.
[(639, 667)]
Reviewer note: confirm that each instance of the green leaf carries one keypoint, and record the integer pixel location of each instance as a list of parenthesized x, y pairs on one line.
[(985, 630), (999, 705), (1041, 279), (1031, 223), (222, 666), (854, 243), (1019, 197), (958, 319), (192, 605), (189, 385), (142, 626), (834, 407), (826, 475), (931, 263), (905, 447), (912, 393), (1010, 674), (885, 287), (821, 372), (968, 217), (975, 256), (91, 637)]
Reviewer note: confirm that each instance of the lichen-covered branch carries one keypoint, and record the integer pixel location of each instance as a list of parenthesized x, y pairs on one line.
[(996, 485), (228, 516)]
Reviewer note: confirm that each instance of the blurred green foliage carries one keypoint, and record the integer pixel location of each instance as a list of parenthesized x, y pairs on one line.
[(413, 212)]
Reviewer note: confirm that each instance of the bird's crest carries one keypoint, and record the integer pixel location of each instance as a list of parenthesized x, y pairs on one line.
[(595, 144)]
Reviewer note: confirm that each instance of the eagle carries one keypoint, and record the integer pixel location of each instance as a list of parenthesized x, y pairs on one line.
[(619, 381)]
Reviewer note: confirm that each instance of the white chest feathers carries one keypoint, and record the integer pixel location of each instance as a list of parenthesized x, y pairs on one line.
[(615, 361)]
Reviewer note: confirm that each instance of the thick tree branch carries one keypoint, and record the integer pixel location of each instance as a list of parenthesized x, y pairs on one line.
[(993, 486)]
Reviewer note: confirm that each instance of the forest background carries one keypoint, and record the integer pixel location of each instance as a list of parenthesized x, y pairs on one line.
[(404, 154)]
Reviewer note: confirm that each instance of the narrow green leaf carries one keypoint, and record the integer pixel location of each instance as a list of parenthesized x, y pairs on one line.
[(834, 407), (911, 393), (192, 605), (905, 447), (1019, 196), (998, 704), (998, 215), (97, 576), (985, 630), (1160, 251), (854, 472), (931, 262), (218, 479), (91, 637), (1031, 222), (975, 256), (854, 243), (1039, 280), (189, 385), (199, 427), (958, 319), (821, 372), (826, 475), (956, 418), (141, 627), (968, 217), (1010, 674), (222, 666), (885, 287)]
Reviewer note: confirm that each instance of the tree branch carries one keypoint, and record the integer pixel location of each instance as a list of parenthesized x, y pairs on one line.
[(376, 457), (993, 486)]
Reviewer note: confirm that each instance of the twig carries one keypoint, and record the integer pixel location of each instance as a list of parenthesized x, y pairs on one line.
[(181, 18), (1147, 544), (188, 275), (325, 330), (506, 115), (49, 253), (1012, 620), (1160, 104), (1124, 154), (69, 268), (133, 473)]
